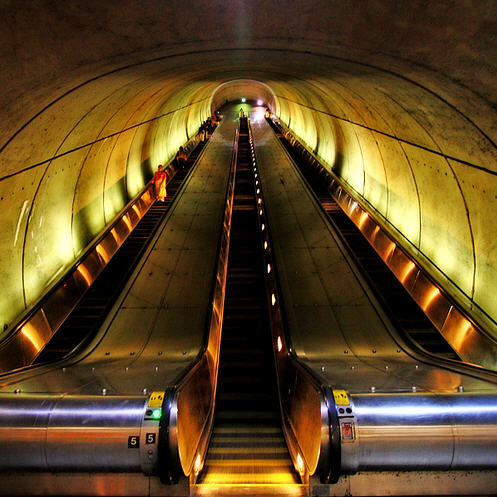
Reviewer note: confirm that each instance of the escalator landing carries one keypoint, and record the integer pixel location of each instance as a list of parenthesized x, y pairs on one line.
[(250, 490)]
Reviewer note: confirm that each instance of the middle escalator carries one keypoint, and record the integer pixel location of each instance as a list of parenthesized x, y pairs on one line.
[(247, 445)]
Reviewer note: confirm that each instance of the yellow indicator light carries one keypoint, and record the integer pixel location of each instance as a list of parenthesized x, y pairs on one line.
[(362, 220), (265, 245), (258, 191), (279, 344), (390, 250), (268, 268), (273, 299), (85, 274), (300, 464), (127, 222), (198, 464), (461, 332), (32, 335), (103, 253), (430, 297), (259, 201), (263, 227), (409, 267)]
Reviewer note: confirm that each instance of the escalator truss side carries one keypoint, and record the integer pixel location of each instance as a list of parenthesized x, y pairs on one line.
[(26, 340), (455, 324)]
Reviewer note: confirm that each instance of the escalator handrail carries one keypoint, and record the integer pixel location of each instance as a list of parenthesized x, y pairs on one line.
[(185, 458)]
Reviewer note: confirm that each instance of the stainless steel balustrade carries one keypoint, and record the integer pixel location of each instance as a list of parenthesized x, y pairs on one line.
[(419, 432)]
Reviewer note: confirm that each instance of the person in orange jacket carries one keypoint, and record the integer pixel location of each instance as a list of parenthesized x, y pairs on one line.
[(159, 180)]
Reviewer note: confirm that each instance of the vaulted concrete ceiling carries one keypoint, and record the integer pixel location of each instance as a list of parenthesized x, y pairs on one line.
[(398, 98)]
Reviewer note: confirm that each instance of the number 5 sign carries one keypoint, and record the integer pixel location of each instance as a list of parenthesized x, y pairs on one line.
[(133, 442)]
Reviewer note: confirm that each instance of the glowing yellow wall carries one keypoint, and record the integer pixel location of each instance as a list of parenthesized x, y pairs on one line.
[(414, 145), (77, 166), (394, 147)]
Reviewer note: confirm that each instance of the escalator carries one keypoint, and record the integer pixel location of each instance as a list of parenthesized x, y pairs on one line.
[(247, 446), (344, 368), (146, 417), (402, 308), (86, 318)]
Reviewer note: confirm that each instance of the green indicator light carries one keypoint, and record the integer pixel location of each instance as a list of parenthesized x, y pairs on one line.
[(157, 413)]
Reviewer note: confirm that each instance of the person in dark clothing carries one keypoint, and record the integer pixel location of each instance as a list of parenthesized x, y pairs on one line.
[(181, 158)]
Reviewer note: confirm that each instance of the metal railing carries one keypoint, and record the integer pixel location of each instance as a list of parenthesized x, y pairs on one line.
[(189, 406)]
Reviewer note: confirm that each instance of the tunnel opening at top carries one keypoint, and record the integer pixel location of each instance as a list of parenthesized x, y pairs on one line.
[(243, 90)]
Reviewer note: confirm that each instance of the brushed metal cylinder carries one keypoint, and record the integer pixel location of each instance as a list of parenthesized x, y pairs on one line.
[(78, 434), (423, 432)]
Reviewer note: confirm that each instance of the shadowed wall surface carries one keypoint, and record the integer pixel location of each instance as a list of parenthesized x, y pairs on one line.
[(398, 99)]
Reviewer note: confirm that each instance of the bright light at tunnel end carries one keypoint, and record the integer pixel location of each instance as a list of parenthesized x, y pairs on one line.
[(244, 99), (259, 102)]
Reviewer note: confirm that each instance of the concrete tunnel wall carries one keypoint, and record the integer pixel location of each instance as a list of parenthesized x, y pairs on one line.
[(98, 159), (88, 113)]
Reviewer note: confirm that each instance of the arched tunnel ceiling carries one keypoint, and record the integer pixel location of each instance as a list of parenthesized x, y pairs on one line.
[(399, 101)]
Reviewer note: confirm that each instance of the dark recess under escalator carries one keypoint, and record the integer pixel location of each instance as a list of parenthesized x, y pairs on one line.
[(86, 318)]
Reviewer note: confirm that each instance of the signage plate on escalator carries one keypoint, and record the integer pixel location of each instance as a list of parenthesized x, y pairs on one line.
[(156, 399)]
